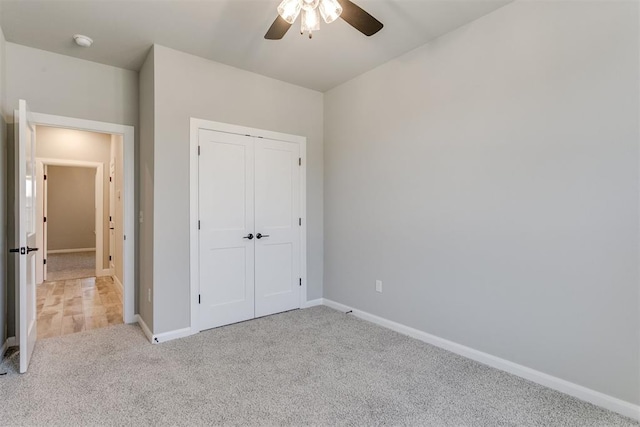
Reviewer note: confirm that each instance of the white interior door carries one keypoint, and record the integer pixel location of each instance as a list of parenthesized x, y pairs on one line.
[(45, 225), (40, 222), (277, 212), (226, 221), (112, 216), (26, 235)]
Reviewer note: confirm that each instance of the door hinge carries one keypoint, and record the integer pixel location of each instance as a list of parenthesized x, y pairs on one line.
[(300, 222), (110, 179), (110, 218), (198, 150), (109, 257), (301, 281), (45, 219), (125, 237), (198, 224), (45, 177), (198, 298), (299, 161), (44, 261)]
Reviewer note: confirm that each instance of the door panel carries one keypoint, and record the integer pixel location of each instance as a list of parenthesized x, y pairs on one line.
[(226, 212), (277, 211), (112, 217), (26, 232), (45, 226)]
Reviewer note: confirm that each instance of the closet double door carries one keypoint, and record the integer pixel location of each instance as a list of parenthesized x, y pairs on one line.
[(249, 229)]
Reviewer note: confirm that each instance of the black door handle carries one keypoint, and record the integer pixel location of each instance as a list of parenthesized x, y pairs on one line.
[(29, 250), (260, 236), (249, 236), (14, 250)]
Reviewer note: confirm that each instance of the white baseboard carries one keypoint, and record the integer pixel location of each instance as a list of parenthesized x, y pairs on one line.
[(172, 335), (583, 393), (104, 272), (313, 303), (70, 251), (118, 284), (165, 336)]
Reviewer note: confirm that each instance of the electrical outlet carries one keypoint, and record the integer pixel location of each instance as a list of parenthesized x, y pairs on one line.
[(149, 294), (379, 286)]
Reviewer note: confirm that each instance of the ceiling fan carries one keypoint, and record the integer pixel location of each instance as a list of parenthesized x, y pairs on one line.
[(311, 10)]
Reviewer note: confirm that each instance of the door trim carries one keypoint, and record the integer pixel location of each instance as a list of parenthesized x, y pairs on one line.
[(195, 126), (99, 201), (129, 159)]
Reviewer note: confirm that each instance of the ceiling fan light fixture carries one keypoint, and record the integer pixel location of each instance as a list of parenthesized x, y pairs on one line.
[(310, 21), (289, 10), (330, 10)]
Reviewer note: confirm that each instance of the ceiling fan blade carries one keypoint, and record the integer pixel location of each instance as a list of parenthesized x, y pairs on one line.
[(278, 29), (359, 19)]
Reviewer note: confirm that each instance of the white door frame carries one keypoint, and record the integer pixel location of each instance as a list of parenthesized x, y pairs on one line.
[(195, 126), (98, 203), (128, 249)]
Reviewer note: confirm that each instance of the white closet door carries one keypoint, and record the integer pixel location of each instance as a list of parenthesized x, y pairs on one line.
[(226, 212), (277, 210)]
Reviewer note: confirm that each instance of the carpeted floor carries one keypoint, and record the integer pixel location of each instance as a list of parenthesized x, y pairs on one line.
[(75, 265), (306, 367)]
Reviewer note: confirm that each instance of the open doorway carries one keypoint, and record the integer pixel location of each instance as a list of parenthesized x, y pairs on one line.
[(80, 209)]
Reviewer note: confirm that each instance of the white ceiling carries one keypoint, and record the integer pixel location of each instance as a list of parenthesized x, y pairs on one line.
[(231, 32)]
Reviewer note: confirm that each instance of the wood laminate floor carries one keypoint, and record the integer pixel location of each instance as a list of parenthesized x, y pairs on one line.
[(76, 305)]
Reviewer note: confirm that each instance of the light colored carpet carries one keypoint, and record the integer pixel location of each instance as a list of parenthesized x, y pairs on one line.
[(306, 367), (76, 265)]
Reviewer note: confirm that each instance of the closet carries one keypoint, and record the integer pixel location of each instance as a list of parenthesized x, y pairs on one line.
[(249, 229)]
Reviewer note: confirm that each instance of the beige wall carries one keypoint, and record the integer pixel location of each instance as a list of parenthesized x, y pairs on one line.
[(490, 180), (67, 144), (117, 156), (70, 208)]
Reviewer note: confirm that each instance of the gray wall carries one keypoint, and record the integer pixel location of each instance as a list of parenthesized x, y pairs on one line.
[(490, 180), (147, 120), (71, 218), (3, 195), (66, 86), (188, 86)]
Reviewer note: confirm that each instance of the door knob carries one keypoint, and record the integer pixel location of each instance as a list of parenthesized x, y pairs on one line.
[(249, 236), (29, 250), (260, 236)]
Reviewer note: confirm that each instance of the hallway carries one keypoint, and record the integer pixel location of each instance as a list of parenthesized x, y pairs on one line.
[(70, 306)]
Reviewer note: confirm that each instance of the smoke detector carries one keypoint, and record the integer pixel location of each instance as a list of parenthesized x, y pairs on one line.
[(82, 41)]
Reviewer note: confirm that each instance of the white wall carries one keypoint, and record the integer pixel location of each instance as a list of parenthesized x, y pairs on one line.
[(66, 86), (188, 86), (490, 180), (71, 218)]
